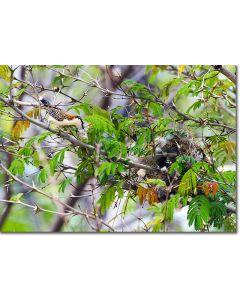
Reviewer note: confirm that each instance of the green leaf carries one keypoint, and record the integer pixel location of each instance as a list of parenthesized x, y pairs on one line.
[(43, 175), (100, 112), (143, 140), (56, 160), (129, 205), (17, 167), (158, 225), (156, 109), (228, 187), (153, 75), (159, 211), (194, 106), (36, 160), (155, 181), (5, 72), (188, 183), (224, 152), (200, 166), (65, 183), (21, 91), (84, 170), (156, 208), (26, 151), (121, 167), (139, 88), (38, 138), (127, 124), (90, 109), (106, 169), (100, 124), (185, 200), (4, 90), (188, 88), (113, 169), (230, 223), (198, 212), (135, 86), (57, 81), (114, 148), (181, 165), (217, 213), (109, 195), (230, 176), (169, 206), (169, 84)]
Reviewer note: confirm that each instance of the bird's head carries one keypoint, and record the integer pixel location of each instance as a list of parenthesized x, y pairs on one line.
[(45, 102)]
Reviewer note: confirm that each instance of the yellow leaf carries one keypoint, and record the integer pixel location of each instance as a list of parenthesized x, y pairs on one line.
[(156, 221), (5, 72), (22, 126), (230, 147), (152, 196), (181, 68), (149, 196), (142, 193), (33, 113), (19, 128)]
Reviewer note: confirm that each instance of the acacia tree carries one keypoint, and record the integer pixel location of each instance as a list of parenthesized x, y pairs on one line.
[(119, 175)]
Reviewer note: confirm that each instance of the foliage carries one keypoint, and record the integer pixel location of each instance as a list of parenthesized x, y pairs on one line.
[(230, 223), (108, 196), (163, 212), (182, 164), (97, 178), (199, 212), (188, 183), (17, 167), (5, 72)]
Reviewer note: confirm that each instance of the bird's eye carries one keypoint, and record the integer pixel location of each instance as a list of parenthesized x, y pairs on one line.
[(44, 101)]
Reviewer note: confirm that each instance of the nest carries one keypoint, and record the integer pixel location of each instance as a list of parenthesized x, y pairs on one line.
[(165, 155)]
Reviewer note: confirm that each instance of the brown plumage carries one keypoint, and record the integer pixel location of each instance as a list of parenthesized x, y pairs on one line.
[(62, 117), (59, 114)]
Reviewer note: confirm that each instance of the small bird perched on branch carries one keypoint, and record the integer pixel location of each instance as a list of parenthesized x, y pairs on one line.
[(61, 117)]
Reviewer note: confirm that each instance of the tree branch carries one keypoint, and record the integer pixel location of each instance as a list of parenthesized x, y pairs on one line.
[(8, 194), (70, 138), (54, 199), (226, 72), (71, 201)]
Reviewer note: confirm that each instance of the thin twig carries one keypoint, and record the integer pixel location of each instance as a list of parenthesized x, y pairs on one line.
[(70, 138), (71, 209)]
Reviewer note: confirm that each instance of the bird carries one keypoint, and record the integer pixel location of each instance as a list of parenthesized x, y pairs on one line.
[(61, 117)]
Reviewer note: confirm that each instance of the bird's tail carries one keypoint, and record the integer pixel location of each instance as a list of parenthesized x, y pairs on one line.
[(81, 121)]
